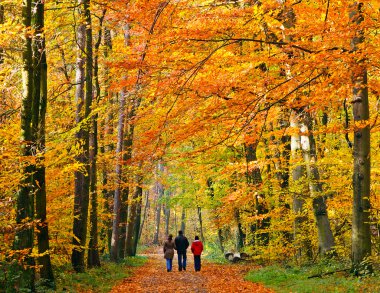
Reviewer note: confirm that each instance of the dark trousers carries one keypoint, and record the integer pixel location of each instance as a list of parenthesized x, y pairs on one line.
[(182, 260), (197, 263)]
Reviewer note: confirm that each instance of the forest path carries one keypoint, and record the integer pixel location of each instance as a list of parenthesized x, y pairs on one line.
[(152, 277)]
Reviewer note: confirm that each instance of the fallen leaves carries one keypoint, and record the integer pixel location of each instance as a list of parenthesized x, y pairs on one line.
[(152, 277)]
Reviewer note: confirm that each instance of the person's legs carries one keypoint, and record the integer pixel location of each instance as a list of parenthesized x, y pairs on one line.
[(179, 261), (168, 264), (184, 261), (197, 262)]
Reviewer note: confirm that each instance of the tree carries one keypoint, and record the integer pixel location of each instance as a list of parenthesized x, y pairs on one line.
[(40, 94), (117, 199), (93, 251), (23, 242), (361, 234), (83, 98)]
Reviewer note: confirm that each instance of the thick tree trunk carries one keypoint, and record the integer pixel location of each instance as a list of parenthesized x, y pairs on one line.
[(127, 156), (145, 214), (93, 259), (298, 188), (220, 240), (282, 173), (40, 92), (134, 219), (117, 198), (23, 241), (107, 131), (282, 156), (240, 235), (325, 236), (254, 180), (82, 181), (123, 218), (361, 234)]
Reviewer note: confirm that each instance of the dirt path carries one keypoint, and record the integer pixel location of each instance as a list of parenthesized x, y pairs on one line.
[(152, 277)]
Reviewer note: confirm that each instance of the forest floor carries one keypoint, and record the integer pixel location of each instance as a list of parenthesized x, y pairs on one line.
[(153, 277)]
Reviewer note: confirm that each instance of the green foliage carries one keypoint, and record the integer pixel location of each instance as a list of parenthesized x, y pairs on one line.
[(97, 279), (296, 279), (214, 254)]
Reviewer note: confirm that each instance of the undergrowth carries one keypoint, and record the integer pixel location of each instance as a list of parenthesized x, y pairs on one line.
[(326, 277), (212, 253), (97, 279)]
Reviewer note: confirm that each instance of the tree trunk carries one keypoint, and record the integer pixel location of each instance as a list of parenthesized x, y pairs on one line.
[(361, 234), (23, 241), (134, 219), (282, 174), (93, 259), (325, 236), (40, 92), (1, 22), (82, 181), (167, 219), (183, 220), (220, 239), (199, 210), (160, 194), (167, 214), (298, 188), (145, 214), (157, 226), (127, 156), (254, 180), (123, 218), (107, 130), (117, 198)]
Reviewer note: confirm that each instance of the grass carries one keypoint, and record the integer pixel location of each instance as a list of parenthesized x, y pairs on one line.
[(296, 279), (97, 279)]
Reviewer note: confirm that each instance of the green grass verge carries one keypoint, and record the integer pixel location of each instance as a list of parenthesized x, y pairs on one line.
[(296, 280), (97, 279)]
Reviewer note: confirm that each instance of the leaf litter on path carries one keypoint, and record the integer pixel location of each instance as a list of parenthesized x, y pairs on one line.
[(153, 277)]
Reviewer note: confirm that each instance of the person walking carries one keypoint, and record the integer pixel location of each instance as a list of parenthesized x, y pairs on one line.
[(181, 244), (169, 247), (196, 249)]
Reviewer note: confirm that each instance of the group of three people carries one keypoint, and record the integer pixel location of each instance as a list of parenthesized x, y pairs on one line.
[(181, 244)]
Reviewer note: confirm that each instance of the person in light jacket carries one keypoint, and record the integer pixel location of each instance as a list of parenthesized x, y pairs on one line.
[(196, 249), (169, 247)]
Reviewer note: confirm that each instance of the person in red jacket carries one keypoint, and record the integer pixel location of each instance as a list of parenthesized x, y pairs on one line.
[(196, 249)]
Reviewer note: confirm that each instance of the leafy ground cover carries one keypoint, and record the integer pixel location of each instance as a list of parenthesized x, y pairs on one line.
[(282, 279), (97, 279), (152, 277)]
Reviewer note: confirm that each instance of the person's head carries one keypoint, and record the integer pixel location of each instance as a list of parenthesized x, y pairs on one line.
[(180, 232), (196, 238), (170, 237)]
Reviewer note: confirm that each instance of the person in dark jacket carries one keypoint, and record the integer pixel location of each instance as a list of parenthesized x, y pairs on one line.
[(169, 247), (196, 249), (181, 244)]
